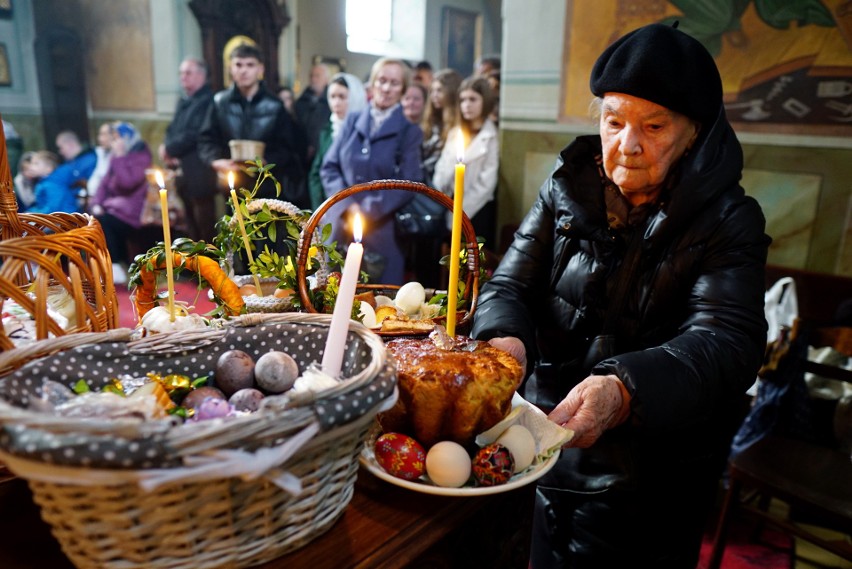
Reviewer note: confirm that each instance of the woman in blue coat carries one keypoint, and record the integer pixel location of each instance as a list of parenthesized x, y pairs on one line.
[(377, 143)]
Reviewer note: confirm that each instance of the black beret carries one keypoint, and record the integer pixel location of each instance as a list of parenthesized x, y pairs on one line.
[(663, 65)]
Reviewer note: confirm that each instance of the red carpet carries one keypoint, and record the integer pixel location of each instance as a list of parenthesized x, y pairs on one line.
[(770, 550), (186, 291)]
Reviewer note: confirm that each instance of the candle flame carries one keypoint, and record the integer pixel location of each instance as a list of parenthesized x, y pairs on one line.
[(231, 179), (160, 181), (460, 147), (357, 228)]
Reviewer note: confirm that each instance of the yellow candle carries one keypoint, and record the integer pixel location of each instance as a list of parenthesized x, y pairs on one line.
[(167, 243), (239, 215), (455, 241)]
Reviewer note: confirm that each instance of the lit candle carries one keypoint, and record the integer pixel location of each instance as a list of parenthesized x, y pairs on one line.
[(335, 344), (167, 243), (239, 215), (455, 241)]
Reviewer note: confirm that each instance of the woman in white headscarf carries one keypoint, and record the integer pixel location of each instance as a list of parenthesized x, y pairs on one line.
[(346, 95)]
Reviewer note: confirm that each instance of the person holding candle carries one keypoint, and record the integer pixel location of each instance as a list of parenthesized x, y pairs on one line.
[(247, 110), (633, 291), (481, 157), (376, 143), (121, 195)]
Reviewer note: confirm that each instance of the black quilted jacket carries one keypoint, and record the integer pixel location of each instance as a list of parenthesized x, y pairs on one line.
[(692, 333), (263, 118)]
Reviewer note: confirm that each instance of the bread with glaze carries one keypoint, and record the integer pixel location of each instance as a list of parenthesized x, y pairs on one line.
[(450, 395)]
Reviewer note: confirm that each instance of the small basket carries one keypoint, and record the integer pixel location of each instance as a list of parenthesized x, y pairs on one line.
[(471, 290), (270, 303), (223, 493)]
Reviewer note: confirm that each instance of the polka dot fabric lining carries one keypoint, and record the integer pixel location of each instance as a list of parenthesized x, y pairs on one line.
[(150, 445)]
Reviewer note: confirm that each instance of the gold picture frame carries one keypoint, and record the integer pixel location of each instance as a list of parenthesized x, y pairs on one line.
[(461, 39), (5, 72)]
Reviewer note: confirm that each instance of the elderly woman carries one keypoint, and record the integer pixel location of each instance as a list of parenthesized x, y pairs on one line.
[(121, 194), (374, 144), (634, 292)]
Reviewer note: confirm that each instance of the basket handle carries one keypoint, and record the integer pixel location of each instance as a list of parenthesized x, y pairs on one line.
[(9, 221), (471, 291)]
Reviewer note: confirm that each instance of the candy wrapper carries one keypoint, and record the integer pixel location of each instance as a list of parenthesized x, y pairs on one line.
[(548, 435)]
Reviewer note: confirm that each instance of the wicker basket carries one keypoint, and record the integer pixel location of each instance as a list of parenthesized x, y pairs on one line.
[(471, 290), (57, 251), (222, 493), (269, 303)]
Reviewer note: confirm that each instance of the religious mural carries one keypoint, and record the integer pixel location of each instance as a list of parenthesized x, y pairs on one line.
[(786, 65)]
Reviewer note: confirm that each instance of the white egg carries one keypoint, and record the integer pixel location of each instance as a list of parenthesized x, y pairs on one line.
[(368, 315), (409, 297), (382, 300), (520, 443), (448, 464)]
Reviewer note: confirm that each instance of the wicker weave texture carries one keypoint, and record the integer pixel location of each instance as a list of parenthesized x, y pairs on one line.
[(177, 513), (225, 523), (42, 251)]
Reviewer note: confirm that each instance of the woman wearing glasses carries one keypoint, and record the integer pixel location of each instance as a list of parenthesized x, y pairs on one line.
[(375, 144)]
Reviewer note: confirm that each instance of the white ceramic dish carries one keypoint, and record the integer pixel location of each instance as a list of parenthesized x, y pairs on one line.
[(527, 476)]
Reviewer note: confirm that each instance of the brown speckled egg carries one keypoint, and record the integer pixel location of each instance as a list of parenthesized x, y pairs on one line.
[(493, 465)]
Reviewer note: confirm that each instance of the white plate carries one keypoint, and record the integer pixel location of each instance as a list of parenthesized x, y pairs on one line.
[(530, 474)]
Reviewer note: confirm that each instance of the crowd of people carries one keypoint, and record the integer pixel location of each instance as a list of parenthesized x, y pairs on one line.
[(338, 132), (632, 292)]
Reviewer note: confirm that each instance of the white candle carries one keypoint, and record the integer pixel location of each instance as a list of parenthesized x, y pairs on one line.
[(335, 344)]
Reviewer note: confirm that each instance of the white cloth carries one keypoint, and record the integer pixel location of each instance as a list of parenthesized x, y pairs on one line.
[(379, 116)]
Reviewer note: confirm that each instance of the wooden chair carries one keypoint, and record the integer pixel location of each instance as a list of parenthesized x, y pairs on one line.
[(814, 480)]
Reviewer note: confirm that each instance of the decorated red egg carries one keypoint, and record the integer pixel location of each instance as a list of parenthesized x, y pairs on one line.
[(493, 465), (400, 456)]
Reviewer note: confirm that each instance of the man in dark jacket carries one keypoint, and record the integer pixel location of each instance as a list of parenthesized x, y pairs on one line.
[(196, 183), (634, 290), (247, 111)]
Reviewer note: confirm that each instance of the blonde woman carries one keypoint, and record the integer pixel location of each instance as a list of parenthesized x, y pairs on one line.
[(375, 144)]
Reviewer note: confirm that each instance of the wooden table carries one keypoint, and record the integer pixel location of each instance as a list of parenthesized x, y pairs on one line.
[(384, 527)]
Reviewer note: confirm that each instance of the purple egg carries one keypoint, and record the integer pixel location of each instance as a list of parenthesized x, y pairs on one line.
[(246, 400), (213, 408)]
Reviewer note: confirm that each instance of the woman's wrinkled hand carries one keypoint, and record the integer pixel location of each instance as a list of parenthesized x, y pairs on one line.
[(513, 346), (596, 404)]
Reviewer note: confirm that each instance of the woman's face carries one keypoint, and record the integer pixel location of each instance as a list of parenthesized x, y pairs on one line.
[(641, 141), (338, 99), (436, 95), (387, 86), (470, 105), (104, 136), (413, 104)]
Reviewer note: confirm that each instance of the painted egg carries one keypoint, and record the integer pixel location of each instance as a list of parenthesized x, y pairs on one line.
[(493, 465), (448, 464), (212, 408), (400, 456), (520, 442)]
